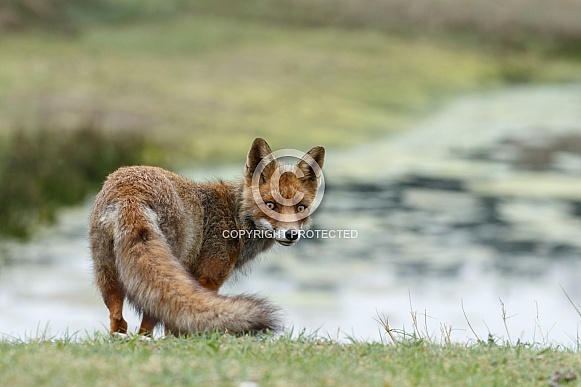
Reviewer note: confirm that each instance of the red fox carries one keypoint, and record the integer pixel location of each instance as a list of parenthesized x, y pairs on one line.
[(165, 242)]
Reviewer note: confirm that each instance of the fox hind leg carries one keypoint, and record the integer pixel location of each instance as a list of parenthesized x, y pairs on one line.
[(113, 298), (148, 324), (107, 280)]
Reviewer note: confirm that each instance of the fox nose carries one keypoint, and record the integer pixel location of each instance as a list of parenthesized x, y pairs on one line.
[(292, 235)]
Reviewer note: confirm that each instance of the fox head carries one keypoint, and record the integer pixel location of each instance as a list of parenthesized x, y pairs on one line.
[(279, 197)]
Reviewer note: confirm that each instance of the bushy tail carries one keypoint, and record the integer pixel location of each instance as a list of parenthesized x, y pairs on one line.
[(159, 286)]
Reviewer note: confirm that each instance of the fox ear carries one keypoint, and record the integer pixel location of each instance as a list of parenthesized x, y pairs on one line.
[(258, 151), (307, 164)]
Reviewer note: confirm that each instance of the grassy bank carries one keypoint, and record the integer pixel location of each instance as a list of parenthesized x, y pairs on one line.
[(229, 361), (204, 78), (206, 86)]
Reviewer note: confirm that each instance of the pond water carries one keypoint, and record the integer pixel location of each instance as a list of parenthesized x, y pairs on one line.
[(474, 211)]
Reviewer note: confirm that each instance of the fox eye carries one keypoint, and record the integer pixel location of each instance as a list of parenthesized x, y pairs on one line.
[(301, 208), (270, 205)]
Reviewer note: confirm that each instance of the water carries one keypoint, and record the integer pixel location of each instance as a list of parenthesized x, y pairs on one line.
[(473, 211)]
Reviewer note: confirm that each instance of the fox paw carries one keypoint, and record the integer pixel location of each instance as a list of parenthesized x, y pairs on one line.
[(128, 336), (120, 336)]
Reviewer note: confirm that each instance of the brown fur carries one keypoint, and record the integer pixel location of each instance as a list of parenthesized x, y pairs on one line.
[(156, 239)]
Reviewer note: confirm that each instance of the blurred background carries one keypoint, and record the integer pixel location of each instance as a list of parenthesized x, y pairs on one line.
[(452, 129)]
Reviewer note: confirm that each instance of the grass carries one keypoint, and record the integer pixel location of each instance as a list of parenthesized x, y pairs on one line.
[(309, 361), (401, 358)]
